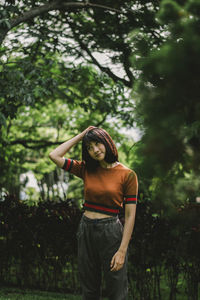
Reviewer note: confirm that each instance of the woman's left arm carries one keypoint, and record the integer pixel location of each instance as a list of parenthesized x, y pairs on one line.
[(118, 259)]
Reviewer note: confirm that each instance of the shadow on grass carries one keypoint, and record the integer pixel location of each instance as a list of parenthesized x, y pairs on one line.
[(20, 294)]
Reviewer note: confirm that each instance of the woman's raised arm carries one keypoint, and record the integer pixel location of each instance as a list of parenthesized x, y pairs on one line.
[(57, 154)]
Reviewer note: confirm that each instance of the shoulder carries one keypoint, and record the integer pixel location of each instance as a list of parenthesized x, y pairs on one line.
[(126, 170), (129, 176), (75, 167)]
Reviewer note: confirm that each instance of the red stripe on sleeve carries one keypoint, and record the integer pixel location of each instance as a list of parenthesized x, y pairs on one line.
[(68, 164), (131, 199)]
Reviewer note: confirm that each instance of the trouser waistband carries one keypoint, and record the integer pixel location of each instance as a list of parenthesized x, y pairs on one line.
[(99, 221)]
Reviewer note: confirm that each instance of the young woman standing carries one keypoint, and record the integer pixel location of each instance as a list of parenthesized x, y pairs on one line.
[(108, 185)]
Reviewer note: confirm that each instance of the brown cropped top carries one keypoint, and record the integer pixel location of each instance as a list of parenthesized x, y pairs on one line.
[(105, 190)]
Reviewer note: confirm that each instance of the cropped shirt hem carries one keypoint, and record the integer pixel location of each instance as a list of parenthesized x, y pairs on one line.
[(96, 207)]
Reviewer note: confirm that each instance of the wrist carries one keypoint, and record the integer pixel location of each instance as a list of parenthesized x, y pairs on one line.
[(122, 250), (81, 135)]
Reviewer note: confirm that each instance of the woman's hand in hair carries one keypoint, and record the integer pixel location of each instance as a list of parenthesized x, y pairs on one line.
[(57, 155), (87, 129), (90, 128)]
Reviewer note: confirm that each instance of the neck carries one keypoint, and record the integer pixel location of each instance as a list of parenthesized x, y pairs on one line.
[(106, 165)]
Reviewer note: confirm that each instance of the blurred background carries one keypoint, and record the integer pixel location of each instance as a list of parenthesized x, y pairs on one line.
[(133, 68)]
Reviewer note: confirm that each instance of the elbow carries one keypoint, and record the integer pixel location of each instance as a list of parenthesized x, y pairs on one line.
[(51, 156)]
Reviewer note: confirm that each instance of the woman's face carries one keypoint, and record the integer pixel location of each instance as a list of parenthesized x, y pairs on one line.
[(96, 150)]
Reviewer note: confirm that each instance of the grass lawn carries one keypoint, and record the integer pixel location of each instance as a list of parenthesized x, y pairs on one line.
[(19, 294)]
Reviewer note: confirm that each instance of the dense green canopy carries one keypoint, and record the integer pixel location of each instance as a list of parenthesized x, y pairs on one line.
[(66, 65), (52, 76), (168, 108), (79, 29), (169, 89)]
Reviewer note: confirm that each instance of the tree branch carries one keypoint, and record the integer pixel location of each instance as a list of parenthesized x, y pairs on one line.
[(38, 144), (55, 5), (126, 64), (102, 121), (95, 61), (32, 144)]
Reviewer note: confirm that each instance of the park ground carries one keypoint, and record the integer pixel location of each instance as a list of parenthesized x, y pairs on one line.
[(10, 293), (19, 294)]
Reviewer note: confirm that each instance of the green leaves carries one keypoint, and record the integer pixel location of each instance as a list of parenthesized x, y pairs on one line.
[(168, 90), (169, 11), (193, 7), (2, 120), (44, 102)]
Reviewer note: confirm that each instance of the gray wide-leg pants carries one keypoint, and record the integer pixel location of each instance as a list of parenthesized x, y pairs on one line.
[(98, 241)]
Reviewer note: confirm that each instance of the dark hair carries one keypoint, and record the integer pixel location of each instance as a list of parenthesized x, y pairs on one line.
[(98, 135)]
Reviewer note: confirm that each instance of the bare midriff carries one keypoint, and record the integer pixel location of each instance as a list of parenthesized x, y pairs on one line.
[(95, 215)]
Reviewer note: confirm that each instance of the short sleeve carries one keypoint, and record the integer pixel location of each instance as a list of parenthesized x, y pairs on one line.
[(131, 188), (75, 167)]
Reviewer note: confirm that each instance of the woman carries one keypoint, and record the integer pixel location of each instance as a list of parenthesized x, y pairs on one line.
[(108, 185)]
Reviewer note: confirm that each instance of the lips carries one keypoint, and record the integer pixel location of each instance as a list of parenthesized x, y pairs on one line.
[(97, 155)]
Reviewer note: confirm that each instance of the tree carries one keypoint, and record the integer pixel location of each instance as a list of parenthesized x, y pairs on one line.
[(80, 29), (167, 105), (74, 31), (39, 42), (169, 89), (43, 116)]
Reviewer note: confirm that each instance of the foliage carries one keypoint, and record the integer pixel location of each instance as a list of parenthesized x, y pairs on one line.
[(53, 85), (38, 249), (25, 294), (44, 45), (79, 29), (168, 89), (60, 100), (36, 241), (167, 107)]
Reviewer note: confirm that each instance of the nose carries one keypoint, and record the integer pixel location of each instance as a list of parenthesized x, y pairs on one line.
[(96, 149)]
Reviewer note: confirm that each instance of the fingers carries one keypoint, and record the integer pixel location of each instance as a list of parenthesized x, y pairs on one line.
[(90, 128), (116, 267), (117, 263), (112, 264)]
